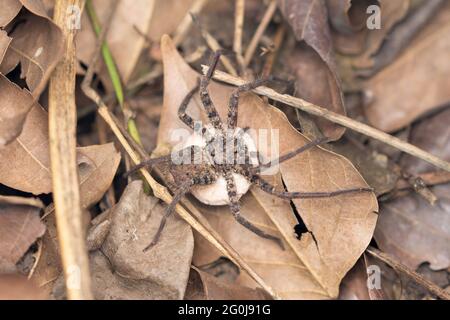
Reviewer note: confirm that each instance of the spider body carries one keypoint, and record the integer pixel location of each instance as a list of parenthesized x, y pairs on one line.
[(210, 186), (218, 162)]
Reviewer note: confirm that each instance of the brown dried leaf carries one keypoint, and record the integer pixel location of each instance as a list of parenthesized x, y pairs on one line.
[(167, 15), (97, 171), (49, 266), (203, 286), (20, 226), (25, 162), (18, 287), (37, 45), (374, 167), (4, 44), (398, 38), (10, 9), (355, 284), (124, 38), (409, 227), (340, 228), (366, 43), (428, 81), (14, 108), (160, 273), (313, 59)]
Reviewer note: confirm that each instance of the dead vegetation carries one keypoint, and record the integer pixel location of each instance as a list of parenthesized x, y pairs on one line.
[(83, 101)]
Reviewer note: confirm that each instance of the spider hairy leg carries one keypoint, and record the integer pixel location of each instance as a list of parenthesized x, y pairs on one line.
[(187, 120), (292, 154), (168, 212), (267, 187), (234, 99), (235, 210), (148, 163), (210, 109), (190, 152)]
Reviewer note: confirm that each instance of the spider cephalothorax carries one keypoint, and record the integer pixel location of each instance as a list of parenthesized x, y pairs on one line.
[(221, 158)]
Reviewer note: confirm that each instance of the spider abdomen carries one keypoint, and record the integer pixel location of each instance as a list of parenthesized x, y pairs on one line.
[(214, 191), (216, 194)]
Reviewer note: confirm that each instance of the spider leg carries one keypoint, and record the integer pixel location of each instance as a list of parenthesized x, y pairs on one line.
[(234, 99), (192, 153), (267, 187), (147, 163), (183, 106), (168, 212), (210, 109), (292, 154), (236, 211)]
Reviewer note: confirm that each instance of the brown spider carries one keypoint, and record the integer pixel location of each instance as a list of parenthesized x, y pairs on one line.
[(206, 163)]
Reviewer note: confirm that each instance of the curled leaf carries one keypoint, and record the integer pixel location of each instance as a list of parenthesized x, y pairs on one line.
[(313, 61), (37, 45), (20, 227), (14, 108)]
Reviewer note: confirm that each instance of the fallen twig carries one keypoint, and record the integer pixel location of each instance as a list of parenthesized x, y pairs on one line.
[(238, 27), (418, 278), (428, 178), (336, 118), (62, 132), (214, 45), (259, 32), (185, 25)]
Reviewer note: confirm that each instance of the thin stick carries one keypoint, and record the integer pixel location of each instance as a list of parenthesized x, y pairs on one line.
[(259, 32), (62, 132), (271, 56), (429, 179), (185, 25), (336, 118), (239, 14), (214, 45), (418, 278)]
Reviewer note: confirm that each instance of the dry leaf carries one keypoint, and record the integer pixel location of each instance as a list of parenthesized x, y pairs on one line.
[(124, 38), (366, 42), (355, 285), (373, 166), (37, 45), (398, 38), (14, 108), (4, 44), (49, 266), (203, 286), (96, 174), (313, 60), (20, 227), (10, 9), (409, 227), (340, 227), (18, 287), (427, 83), (25, 162), (167, 15), (347, 16), (159, 273)]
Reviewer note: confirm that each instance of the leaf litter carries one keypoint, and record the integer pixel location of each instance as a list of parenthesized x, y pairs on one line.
[(330, 55)]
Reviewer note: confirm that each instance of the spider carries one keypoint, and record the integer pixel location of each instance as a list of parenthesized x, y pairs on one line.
[(208, 163)]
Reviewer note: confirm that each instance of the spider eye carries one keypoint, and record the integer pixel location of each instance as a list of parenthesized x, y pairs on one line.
[(204, 130)]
